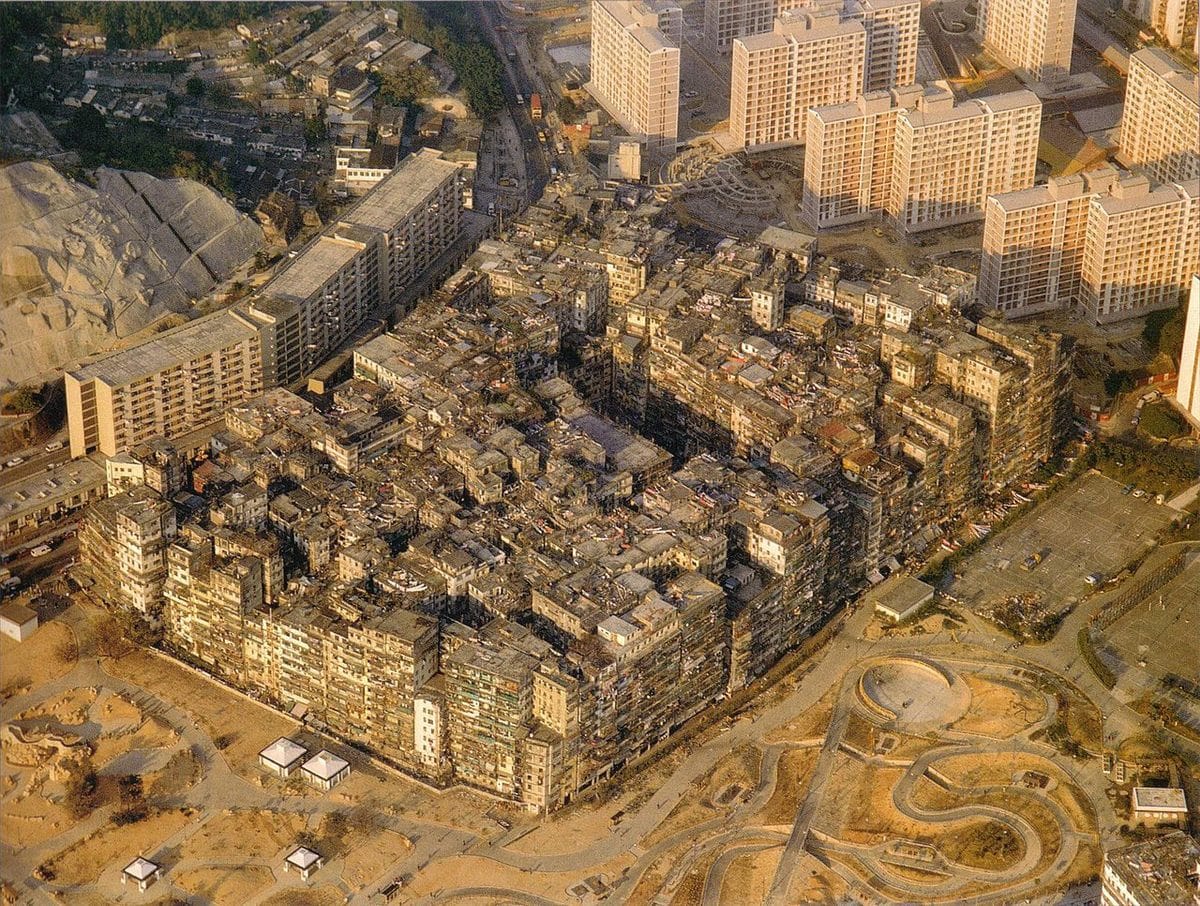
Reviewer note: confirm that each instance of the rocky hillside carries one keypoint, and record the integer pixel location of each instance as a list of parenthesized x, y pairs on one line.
[(83, 269)]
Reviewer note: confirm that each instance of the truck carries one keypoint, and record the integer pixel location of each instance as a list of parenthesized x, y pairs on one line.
[(535, 106)]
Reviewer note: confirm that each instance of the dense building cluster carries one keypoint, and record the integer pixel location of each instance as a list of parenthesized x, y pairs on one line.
[(1158, 127), (635, 66), (183, 378), (917, 156), (1035, 38), (817, 53), (1105, 243), (606, 475)]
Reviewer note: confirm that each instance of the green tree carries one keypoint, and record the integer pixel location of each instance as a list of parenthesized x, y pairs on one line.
[(314, 130), (406, 86), (141, 24), (220, 95), (1118, 382), (567, 110), (1163, 331), (197, 166), (1159, 420), (256, 54), (133, 800), (86, 130), (23, 400), (479, 71), (82, 787), (196, 87), (452, 31)]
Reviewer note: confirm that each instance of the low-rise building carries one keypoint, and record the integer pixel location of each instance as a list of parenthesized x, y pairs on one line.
[(1152, 805), (17, 621), (902, 599), (1152, 872), (282, 756), (325, 770)]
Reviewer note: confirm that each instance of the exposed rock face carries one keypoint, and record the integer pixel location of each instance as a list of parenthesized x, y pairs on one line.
[(82, 269)]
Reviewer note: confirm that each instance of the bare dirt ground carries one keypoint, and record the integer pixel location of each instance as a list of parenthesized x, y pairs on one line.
[(236, 884), (111, 846), (811, 724), (232, 836), (224, 717), (999, 710), (36, 661), (670, 854), (749, 876)]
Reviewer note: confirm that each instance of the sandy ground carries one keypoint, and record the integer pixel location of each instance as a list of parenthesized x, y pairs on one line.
[(573, 827), (984, 844), (69, 708), (221, 714), (36, 660), (748, 879), (326, 895), (984, 770), (83, 862), (740, 768), (235, 884), (235, 836), (369, 852), (795, 768), (814, 883), (812, 724), (865, 813), (997, 710), (33, 820), (464, 871)]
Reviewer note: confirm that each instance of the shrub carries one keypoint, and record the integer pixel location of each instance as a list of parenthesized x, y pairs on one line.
[(1160, 421), (1098, 667), (82, 788), (23, 400)]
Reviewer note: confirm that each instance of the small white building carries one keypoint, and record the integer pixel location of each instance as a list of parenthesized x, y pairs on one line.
[(282, 756), (303, 860), (1159, 805), (901, 599), (625, 158), (325, 770), (17, 621), (142, 872)]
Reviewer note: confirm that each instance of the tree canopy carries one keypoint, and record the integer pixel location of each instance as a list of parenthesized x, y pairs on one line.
[(128, 24), (406, 86), (452, 31)]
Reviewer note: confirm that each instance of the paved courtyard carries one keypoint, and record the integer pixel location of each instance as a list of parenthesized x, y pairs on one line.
[(1162, 631), (1088, 528)]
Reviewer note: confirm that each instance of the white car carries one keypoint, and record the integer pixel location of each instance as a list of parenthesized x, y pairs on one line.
[(54, 445), (15, 461), (41, 550)]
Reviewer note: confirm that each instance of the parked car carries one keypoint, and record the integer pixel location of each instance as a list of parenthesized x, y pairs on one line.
[(15, 461), (1094, 579), (54, 445), (41, 550)]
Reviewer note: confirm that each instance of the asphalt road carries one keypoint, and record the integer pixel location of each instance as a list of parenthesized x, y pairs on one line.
[(36, 460), (33, 569), (518, 81)]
